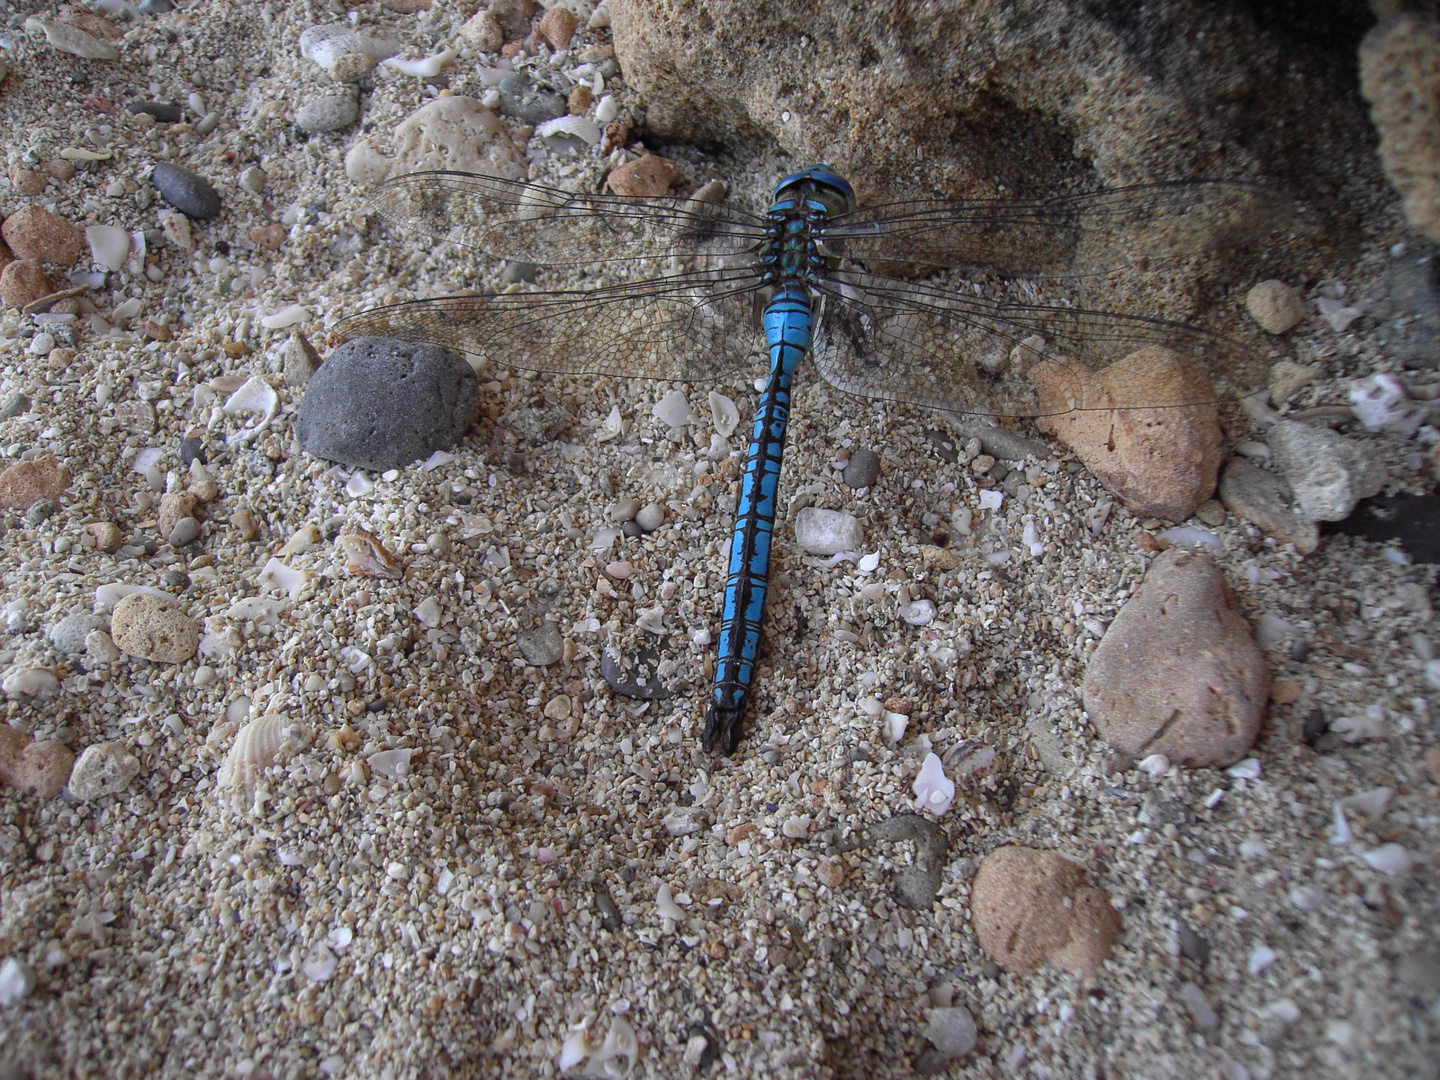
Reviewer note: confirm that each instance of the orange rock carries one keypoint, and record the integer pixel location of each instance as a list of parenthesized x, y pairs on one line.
[(108, 536), (1029, 907), (32, 232), (1163, 462), (557, 26), (23, 281), (27, 482), (649, 175)]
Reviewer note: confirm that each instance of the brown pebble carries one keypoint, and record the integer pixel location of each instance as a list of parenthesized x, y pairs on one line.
[(483, 31), (25, 180), (831, 873), (32, 232), (351, 67), (108, 536), (23, 281), (270, 237), (1432, 762), (60, 169), (1178, 673), (146, 626), (60, 358), (1285, 691), (1265, 499), (243, 521), (579, 101), (206, 491), (407, 7), (557, 26), (741, 832), (173, 507), (1030, 906), (235, 349), (155, 330), (649, 175), (27, 482), (1274, 306)]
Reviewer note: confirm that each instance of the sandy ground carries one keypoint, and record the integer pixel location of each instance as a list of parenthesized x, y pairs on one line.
[(503, 889)]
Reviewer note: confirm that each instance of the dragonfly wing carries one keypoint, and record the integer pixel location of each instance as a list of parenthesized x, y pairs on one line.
[(903, 341), (691, 327), (510, 219), (1075, 234)]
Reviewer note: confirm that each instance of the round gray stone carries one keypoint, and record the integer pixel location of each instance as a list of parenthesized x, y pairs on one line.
[(68, 635), (863, 469), (379, 403), (328, 112), (650, 517), (184, 532), (188, 192)]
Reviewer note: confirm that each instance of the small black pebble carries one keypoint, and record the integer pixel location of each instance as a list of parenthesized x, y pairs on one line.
[(990, 970), (630, 529), (863, 469), (161, 110), (174, 579), (148, 543), (188, 192), (1315, 726), (191, 449), (375, 705), (609, 913), (1192, 945), (1300, 650), (944, 446)]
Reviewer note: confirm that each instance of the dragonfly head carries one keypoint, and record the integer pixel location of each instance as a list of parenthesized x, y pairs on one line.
[(819, 184)]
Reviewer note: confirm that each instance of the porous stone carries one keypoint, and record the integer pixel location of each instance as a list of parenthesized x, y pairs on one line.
[(27, 482), (645, 176), (330, 111), (379, 403), (1328, 472), (351, 68), (1274, 306), (68, 635), (38, 767), (146, 626), (1163, 462), (23, 281), (1030, 907), (1178, 672), (1400, 77), (103, 769), (108, 536), (32, 232), (174, 507), (828, 532), (483, 31), (457, 133), (557, 26)]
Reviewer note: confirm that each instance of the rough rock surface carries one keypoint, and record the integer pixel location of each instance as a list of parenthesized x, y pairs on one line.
[(1400, 77), (378, 403), (147, 626), (1030, 906), (38, 767), (1328, 472), (1264, 499), (1178, 673), (1162, 462)]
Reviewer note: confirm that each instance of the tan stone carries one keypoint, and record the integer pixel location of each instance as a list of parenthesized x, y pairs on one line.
[(32, 232), (154, 629), (649, 175), (23, 281), (27, 482)]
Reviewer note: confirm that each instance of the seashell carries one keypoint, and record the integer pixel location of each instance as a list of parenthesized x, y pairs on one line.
[(287, 316), (276, 575), (969, 760), (30, 682), (577, 127), (258, 746), (613, 426), (304, 540), (672, 410), (365, 556), (435, 460), (391, 764), (255, 396), (723, 414), (933, 791), (69, 39), (109, 246), (320, 965), (666, 906), (358, 485)]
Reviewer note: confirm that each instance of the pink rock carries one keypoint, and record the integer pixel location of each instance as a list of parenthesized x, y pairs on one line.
[(39, 768), (649, 175), (27, 482), (23, 281), (32, 232), (1162, 462), (1178, 673), (1029, 907)]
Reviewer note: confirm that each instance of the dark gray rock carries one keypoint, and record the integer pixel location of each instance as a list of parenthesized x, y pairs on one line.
[(636, 676), (161, 110), (863, 468), (192, 448), (1416, 294), (188, 192), (528, 103), (916, 885), (379, 403), (15, 405)]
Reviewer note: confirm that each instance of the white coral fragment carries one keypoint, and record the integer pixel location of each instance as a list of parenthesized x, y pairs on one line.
[(933, 790)]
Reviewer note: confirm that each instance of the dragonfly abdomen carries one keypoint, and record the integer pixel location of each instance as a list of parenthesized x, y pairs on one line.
[(789, 324)]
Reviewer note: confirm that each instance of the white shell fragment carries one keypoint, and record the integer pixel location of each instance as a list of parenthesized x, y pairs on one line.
[(620, 1042), (426, 67), (30, 682), (391, 764), (326, 44), (281, 578), (917, 613), (319, 966), (69, 39), (613, 426), (723, 414), (255, 396), (951, 1031), (1390, 859), (933, 791), (1381, 403), (827, 532), (289, 315), (109, 246), (579, 127), (665, 904), (672, 410), (258, 746)]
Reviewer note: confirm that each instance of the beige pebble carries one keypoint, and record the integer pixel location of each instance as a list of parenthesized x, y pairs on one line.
[(1274, 306), (174, 507), (350, 68), (147, 626), (1030, 906), (243, 521), (36, 767), (108, 536), (1432, 762), (103, 769), (27, 482), (649, 175), (483, 31), (25, 180), (1287, 378)]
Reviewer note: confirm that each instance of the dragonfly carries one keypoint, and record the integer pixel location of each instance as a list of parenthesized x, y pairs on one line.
[(684, 289)]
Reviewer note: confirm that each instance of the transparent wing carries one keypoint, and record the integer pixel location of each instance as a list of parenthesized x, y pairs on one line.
[(691, 327), (902, 341), (510, 219), (1066, 235)]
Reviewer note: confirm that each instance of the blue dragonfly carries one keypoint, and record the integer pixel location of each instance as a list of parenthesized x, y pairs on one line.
[(690, 290)]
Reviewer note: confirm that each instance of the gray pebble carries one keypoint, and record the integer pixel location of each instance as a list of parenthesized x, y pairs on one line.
[(160, 110), (541, 645), (1192, 945), (522, 99), (17, 404), (41, 510), (68, 635), (192, 448), (184, 532), (254, 180), (379, 403), (863, 469), (1419, 971), (943, 444), (609, 914), (630, 530), (516, 272), (1328, 472), (301, 360), (330, 111), (650, 517), (176, 581), (1414, 290), (635, 676), (156, 7), (188, 192), (916, 885)]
